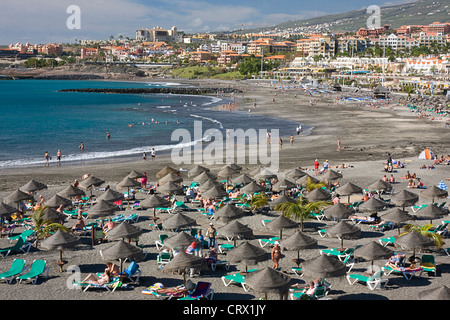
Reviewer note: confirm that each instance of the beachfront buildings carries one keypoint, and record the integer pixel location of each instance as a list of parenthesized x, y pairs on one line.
[(157, 34)]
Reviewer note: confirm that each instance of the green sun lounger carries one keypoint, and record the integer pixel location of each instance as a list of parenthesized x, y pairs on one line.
[(38, 268), (16, 268), (236, 278)]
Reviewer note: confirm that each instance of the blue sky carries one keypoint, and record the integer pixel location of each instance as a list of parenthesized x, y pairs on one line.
[(45, 20)]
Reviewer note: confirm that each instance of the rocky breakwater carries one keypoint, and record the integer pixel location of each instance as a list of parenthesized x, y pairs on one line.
[(177, 90)]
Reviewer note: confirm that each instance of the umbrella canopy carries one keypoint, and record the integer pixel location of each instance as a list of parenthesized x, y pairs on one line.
[(102, 208), (348, 189), (431, 211), (405, 198), (324, 266), (233, 166), (318, 195), (6, 209), (442, 185), (337, 211), (57, 201), (204, 176), (414, 240), (255, 171), (197, 170), (178, 220), (434, 192), (281, 222), (124, 230), (331, 175), (17, 196), (396, 215), (343, 230), (247, 253), (265, 174), (71, 191), (165, 171), (373, 204), (295, 174), (215, 192), (170, 188), (373, 251), (183, 261), (91, 181), (154, 201), (111, 195), (127, 182), (268, 280), (59, 241), (208, 184), (251, 187), (226, 172), (136, 175), (234, 230), (33, 186), (283, 184), (439, 293), (281, 199), (299, 240), (52, 215), (302, 181), (180, 241), (380, 185), (228, 213), (120, 251), (242, 179), (170, 177)]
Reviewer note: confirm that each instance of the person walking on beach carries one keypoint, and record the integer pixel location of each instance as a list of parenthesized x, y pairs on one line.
[(47, 159), (291, 140), (211, 232), (144, 156), (339, 144), (81, 147), (58, 157), (153, 154), (108, 135), (276, 255)]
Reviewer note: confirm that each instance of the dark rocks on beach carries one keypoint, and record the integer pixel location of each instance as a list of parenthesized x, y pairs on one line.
[(194, 91), (70, 77)]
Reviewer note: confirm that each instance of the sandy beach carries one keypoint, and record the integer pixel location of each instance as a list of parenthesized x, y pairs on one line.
[(367, 135)]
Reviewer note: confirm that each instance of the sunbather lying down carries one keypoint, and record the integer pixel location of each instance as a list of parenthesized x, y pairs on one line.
[(172, 290)]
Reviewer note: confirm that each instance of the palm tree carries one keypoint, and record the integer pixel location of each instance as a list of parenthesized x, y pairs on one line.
[(425, 231), (310, 185), (43, 227), (257, 201), (300, 210), (409, 90)]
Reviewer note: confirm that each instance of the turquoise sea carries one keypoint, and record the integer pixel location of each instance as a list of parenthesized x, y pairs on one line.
[(35, 117)]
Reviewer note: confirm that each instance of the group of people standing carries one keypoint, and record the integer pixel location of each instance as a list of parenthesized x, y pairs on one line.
[(47, 158)]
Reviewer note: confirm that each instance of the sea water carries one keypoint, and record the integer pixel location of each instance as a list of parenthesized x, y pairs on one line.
[(36, 117)]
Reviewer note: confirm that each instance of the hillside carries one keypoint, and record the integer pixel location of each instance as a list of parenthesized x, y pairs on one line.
[(419, 12)]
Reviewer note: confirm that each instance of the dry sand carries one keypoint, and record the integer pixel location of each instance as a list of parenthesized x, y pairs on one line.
[(367, 136)]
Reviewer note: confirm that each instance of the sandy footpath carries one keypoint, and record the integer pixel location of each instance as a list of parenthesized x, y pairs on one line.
[(367, 136)]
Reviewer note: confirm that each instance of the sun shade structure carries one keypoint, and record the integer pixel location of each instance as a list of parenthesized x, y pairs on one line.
[(343, 230), (242, 179), (337, 211), (247, 254), (215, 192), (235, 230), (102, 208), (60, 241), (124, 230), (6, 209), (405, 198), (302, 181), (324, 266), (17, 196), (434, 192), (183, 261), (295, 174), (180, 241), (281, 222), (71, 191), (228, 213), (91, 181), (204, 176), (127, 183), (373, 204), (397, 216), (120, 251), (283, 185), (281, 199), (373, 251), (380, 185), (111, 195), (298, 241), (348, 189), (268, 280), (208, 184), (52, 215), (197, 170), (331, 175), (430, 211), (170, 177), (318, 195), (33, 186), (265, 174), (170, 188), (251, 187), (178, 221), (154, 201), (136, 175), (165, 171), (57, 201), (414, 240)]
